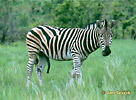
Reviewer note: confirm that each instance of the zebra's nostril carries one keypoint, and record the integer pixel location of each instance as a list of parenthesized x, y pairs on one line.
[(107, 48)]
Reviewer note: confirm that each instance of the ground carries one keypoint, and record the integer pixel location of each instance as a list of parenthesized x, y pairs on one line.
[(103, 77)]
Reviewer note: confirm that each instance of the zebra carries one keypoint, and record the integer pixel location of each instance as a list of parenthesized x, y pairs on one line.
[(92, 25), (64, 44)]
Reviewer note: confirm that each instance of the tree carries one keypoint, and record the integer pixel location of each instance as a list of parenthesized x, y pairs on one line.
[(127, 23), (4, 16), (117, 14), (97, 11), (47, 7), (72, 14), (63, 14)]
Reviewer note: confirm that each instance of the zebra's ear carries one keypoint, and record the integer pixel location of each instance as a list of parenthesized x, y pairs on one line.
[(112, 23), (98, 23)]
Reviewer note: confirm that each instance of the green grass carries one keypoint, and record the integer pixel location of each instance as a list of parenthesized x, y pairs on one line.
[(115, 72)]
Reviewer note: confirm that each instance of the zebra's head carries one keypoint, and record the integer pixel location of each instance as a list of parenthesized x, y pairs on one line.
[(105, 36)]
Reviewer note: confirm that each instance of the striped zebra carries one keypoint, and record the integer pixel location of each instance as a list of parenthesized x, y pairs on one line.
[(92, 25), (45, 42)]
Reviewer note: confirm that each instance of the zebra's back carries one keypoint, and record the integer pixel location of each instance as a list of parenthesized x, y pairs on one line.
[(60, 46)]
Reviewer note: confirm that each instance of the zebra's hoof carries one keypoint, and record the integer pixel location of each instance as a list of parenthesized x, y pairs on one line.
[(28, 84), (40, 82)]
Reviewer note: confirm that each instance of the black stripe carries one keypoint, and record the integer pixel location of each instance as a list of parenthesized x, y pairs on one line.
[(74, 37), (89, 45), (56, 51), (34, 33), (46, 34), (53, 31), (30, 64), (33, 41), (51, 47), (33, 37), (32, 47), (84, 43), (64, 41), (74, 52), (76, 46), (62, 35), (81, 39), (69, 40), (95, 39), (78, 40), (33, 52), (92, 39)]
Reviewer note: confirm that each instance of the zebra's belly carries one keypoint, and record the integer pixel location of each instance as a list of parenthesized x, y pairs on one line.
[(67, 57), (62, 56), (64, 59)]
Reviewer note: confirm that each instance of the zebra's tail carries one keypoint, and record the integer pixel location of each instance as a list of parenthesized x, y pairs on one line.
[(36, 62), (48, 61)]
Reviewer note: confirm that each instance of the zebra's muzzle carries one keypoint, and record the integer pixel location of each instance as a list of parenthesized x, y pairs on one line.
[(107, 51)]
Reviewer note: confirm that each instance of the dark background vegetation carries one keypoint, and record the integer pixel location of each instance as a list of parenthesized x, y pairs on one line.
[(17, 17)]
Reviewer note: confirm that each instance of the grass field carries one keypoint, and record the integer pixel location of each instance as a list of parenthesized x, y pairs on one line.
[(112, 73)]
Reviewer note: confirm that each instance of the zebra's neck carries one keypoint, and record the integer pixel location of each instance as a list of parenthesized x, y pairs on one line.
[(92, 41)]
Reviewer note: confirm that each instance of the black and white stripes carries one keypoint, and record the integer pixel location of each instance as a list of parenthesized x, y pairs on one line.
[(93, 25), (74, 44)]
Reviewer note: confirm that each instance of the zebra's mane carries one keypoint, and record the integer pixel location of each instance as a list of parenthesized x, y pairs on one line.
[(92, 25), (89, 24)]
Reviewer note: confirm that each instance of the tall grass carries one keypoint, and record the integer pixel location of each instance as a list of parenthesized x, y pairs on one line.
[(115, 72)]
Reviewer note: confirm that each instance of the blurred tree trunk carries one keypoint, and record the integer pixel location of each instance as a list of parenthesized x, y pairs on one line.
[(123, 34), (132, 33), (116, 33), (3, 37), (5, 28), (4, 12), (60, 1)]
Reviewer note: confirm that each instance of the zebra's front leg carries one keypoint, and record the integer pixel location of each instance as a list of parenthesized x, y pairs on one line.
[(76, 70)]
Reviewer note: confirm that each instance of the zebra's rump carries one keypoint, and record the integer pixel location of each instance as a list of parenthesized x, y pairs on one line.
[(38, 38)]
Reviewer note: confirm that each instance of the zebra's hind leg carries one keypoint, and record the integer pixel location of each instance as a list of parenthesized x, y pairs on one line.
[(30, 65), (40, 68)]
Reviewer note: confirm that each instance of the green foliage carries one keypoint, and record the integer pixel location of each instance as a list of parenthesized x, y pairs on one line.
[(117, 12), (129, 22), (47, 7), (19, 16), (77, 13), (98, 10), (115, 72), (63, 14)]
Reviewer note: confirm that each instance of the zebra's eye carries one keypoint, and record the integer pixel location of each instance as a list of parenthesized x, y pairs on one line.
[(101, 35), (111, 34)]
